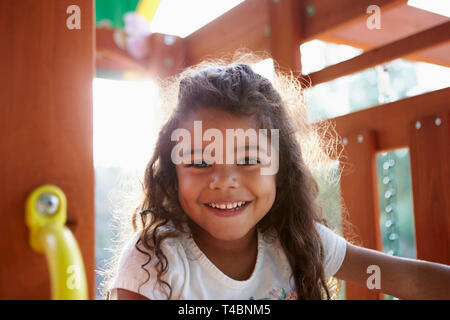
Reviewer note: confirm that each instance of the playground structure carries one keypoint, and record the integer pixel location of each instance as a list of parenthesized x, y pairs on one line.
[(46, 111)]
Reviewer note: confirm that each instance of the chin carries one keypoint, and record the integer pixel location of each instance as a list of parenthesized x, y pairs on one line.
[(230, 235)]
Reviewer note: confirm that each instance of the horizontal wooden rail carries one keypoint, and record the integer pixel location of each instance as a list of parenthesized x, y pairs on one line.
[(391, 121), (245, 26), (321, 17), (391, 51)]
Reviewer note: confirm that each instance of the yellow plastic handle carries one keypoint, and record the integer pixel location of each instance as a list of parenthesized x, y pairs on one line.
[(45, 216)]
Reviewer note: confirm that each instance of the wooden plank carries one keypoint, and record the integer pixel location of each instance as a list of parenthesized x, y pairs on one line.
[(391, 120), (434, 55), (327, 16), (430, 175), (46, 121), (409, 45), (285, 34), (167, 55), (362, 211), (245, 26)]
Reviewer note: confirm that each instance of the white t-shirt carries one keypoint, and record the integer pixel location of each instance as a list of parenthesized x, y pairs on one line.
[(193, 276)]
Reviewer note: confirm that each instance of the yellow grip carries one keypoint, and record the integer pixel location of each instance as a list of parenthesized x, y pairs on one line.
[(45, 216)]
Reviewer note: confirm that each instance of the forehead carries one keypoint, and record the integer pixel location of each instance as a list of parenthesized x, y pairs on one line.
[(219, 119)]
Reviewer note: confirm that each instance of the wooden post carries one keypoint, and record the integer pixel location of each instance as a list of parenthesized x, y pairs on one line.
[(285, 34), (46, 131), (167, 55), (360, 196), (430, 175)]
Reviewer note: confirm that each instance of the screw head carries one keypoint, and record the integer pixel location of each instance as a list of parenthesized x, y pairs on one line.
[(437, 122), (169, 40), (168, 62), (345, 141), (360, 138), (418, 125), (310, 10), (47, 204)]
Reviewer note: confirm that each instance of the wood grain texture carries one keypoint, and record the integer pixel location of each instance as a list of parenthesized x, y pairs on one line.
[(423, 40), (430, 176), (245, 26), (285, 34), (46, 132), (391, 120), (330, 15), (360, 196)]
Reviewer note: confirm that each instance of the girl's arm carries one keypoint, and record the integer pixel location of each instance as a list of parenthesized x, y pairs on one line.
[(400, 277), (123, 294)]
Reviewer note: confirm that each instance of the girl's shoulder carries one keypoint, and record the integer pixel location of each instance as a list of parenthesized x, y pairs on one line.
[(135, 251), (138, 266)]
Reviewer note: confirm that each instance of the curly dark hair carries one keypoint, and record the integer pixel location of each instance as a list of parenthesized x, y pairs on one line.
[(236, 88)]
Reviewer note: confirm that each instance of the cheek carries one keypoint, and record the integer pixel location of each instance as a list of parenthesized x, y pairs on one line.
[(265, 186), (189, 186)]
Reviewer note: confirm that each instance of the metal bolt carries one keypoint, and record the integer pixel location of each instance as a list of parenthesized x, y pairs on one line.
[(438, 121), (47, 204), (168, 62), (360, 138), (418, 125), (267, 31), (169, 40), (345, 141), (310, 10)]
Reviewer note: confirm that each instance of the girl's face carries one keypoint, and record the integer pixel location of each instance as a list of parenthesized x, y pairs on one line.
[(201, 185)]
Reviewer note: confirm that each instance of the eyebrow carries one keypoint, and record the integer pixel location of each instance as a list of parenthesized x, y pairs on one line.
[(196, 151)]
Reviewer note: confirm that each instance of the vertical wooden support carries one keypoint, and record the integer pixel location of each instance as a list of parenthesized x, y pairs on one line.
[(46, 132), (167, 55), (429, 140), (285, 34), (360, 196)]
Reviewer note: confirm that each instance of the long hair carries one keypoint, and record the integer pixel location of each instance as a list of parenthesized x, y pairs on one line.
[(276, 104)]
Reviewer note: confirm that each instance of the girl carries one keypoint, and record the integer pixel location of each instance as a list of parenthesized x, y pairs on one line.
[(215, 230)]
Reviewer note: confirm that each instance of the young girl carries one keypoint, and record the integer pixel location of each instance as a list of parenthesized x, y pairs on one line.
[(219, 230)]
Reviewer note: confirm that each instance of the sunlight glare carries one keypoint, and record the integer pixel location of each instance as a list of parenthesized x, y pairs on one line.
[(126, 122)]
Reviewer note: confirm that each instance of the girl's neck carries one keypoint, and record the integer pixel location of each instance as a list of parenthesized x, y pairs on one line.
[(236, 259), (206, 242)]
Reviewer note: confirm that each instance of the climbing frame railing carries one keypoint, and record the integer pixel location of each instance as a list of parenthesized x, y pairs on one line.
[(420, 123)]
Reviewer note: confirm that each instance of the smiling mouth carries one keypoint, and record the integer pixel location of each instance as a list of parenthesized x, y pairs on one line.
[(228, 210)]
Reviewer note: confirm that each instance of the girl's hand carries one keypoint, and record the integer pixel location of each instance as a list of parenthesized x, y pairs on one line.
[(400, 277)]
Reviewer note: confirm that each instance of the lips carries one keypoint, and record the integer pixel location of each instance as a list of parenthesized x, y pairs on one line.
[(227, 212)]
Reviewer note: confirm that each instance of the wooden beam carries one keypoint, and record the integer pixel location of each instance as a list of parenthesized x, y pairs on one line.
[(327, 16), (285, 34), (245, 26), (389, 52), (167, 55), (416, 57), (46, 121), (430, 176), (110, 56), (362, 211), (391, 121)]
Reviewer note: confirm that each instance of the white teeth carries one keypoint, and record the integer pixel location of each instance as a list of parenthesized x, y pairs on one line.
[(228, 205)]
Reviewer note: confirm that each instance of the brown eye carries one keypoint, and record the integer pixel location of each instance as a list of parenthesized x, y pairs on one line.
[(199, 165), (249, 161)]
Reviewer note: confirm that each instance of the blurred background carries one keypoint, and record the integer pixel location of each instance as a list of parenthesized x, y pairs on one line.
[(127, 109)]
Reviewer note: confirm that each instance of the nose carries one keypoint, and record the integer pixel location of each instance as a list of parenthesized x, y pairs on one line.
[(224, 177)]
